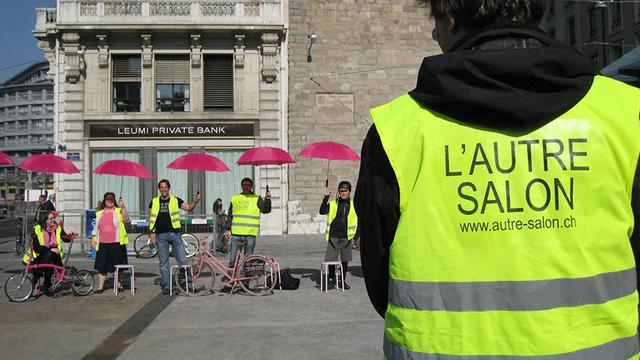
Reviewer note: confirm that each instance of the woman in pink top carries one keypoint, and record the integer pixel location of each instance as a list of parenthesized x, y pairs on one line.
[(107, 234)]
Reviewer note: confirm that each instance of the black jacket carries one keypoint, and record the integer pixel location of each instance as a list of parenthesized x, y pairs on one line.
[(504, 77), (339, 224)]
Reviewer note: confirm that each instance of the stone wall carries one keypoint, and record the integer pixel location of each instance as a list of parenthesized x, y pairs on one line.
[(366, 53)]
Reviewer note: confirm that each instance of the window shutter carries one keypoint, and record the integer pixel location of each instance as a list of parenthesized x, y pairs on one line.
[(171, 69), (218, 81), (126, 67)]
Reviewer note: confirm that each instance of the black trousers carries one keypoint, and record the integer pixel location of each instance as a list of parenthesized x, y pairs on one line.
[(48, 257)]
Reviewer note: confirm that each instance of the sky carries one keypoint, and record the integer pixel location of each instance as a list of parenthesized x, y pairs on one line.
[(17, 44)]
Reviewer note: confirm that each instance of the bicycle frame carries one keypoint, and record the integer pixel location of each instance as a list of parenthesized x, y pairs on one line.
[(60, 272), (230, 274)]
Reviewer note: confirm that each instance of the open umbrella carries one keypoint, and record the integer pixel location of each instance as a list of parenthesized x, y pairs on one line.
[(198, 162), (122, 168), (5, 159), (48, 163), (331, 151), (265, 155)]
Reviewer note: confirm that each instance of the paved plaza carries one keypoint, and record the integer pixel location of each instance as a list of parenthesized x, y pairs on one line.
[(301, 324)]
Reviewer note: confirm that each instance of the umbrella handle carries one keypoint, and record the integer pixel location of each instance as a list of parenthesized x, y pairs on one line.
[(267, 187), (326, 183)]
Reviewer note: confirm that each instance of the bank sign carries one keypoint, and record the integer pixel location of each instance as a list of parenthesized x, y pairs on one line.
[(173, 130)]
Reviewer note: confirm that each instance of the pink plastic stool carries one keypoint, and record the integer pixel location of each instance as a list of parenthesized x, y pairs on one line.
[(132, 281), (324, 275), (186, 278)]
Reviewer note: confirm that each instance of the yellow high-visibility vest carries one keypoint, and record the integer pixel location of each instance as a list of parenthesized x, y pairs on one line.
[(31, 255), (174, 212), (352, 219), (121, 231), (246, 215), (514, 245)]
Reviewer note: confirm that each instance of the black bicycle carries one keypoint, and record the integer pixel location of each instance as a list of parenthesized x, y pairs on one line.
[(20, 242)]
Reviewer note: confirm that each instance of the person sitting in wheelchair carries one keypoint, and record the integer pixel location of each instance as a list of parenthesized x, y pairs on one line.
[(46, 246)]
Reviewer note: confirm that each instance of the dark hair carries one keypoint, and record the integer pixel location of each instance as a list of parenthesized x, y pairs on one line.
[(217, 206), (164, 181), (475, 14), (344, 185), (246, 179), (42, 218), (104, 198)]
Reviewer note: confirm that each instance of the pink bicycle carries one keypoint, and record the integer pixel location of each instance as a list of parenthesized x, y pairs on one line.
[(20, 287), (256, 274)]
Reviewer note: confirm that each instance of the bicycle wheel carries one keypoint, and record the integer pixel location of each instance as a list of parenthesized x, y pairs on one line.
[(202, 281), (259, 273), (143, 247), (82, 282), (191, 244), (19, 287)]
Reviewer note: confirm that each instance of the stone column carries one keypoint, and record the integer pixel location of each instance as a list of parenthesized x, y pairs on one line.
[(239, 88), (70, 129), (147, 89), (196, 86), (270, 117), (102, 73)]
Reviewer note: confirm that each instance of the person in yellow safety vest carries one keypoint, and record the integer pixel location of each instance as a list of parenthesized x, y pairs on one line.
[(497, 199), (165, 228), (244, 219), (46, 247), (109, 238), (342, 229)]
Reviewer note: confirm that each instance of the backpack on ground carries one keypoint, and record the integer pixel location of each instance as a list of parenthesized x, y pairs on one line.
[(288, 281)]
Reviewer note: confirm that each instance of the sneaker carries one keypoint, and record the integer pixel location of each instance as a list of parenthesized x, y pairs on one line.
[(346, 286), (165, 291)]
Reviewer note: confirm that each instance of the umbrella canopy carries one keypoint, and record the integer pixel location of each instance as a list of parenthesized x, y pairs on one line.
[(123, 168), (198, 162), (48, 163), (329, 150), (265, 155), (5, 159)]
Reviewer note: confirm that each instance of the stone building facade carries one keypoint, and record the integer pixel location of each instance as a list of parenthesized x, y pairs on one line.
[(601, 30), (364, 53), (151, 80), (26, 128)]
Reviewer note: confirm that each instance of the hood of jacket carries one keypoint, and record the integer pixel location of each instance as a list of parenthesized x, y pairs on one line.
[(505, 77)]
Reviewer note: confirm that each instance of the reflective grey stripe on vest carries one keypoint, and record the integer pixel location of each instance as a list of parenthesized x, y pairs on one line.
[(175, 213), (620, 349), (352, 227), (245, 225), (246, 217), (512, 295)]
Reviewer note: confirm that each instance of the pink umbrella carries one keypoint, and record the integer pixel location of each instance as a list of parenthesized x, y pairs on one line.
[(48, 163), (5, 159), (198, 162), (265, 155), (331, 151), (122, 168)]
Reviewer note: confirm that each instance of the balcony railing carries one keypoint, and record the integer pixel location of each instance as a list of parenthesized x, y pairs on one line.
[(106, 13)]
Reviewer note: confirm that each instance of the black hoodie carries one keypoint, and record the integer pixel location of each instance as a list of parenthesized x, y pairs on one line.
[(505, 77)]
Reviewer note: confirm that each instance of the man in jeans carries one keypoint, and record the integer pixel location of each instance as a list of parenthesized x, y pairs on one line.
[(165, 228), (244, 217)]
